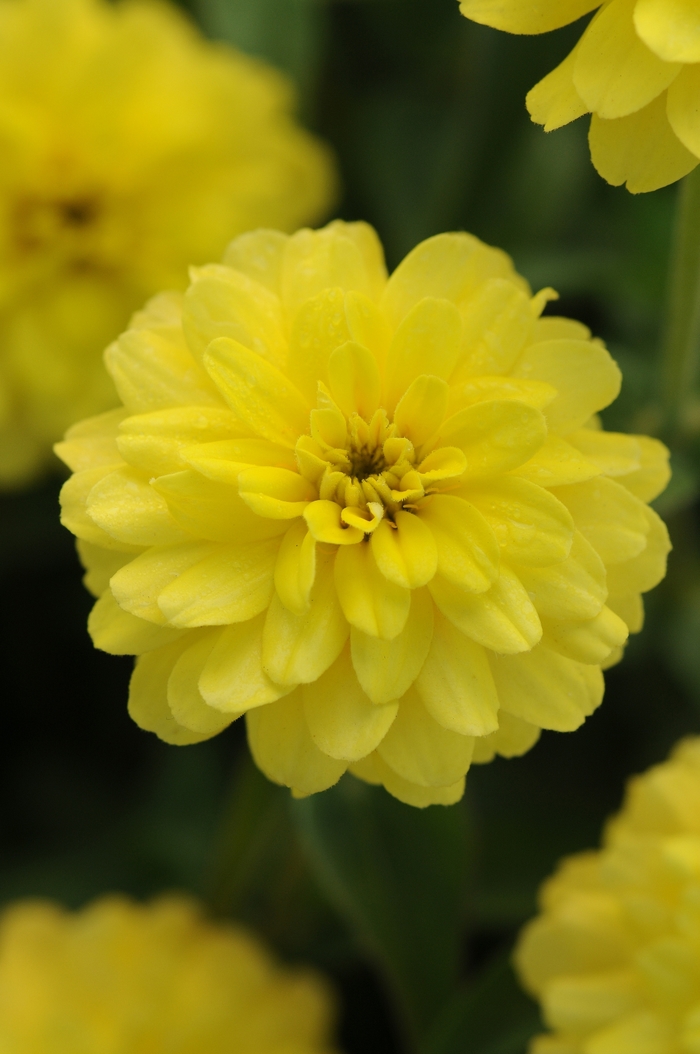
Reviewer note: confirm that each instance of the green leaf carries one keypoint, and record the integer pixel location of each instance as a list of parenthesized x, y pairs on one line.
[(398, 876), (490, 1016), (252, 825)]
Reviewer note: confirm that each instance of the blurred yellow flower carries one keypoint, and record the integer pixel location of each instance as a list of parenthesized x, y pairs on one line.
[(131, 148), (123, 978), (636, 69), (614, 957), (373, 514)]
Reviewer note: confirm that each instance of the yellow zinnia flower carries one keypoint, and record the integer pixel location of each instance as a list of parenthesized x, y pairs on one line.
[(636, 69), (373, 514), (123, 978), (614, 956), (131, 148)]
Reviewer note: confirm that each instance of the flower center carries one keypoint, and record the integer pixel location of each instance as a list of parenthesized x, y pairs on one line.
[(367, 468), (365, 461)]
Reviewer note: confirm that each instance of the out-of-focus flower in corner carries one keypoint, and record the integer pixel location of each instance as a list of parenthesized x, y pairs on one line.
[(636, 68), (131, 148), (124, 978), (378, 515), (614, 956)]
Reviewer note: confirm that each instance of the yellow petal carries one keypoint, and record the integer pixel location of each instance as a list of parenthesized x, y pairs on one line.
[(232, 679), (343, 722), (643, 1031), (127, 507), (630, 608), (297, 649), (369, 601), (319, 329), (468, 552), (547, 689), (495, 436), (653, 474), (574, 588), (387, 668), (420, 750), (421, 409), (74, 514), (154, 442), (591, 641), (138, 584), (671, 28), (100, 564), (556, 327), (585, 1004), (275, 492), (445, 463), (148, 696), (646, 570), (118, 632), (615, 73), (430, 334), (556, 463), (283, 749), (615, 453), (485, 389), (326, 525), (184, 698), (258, 254), (261, 397), (368, 324), (682, 108), (498, 323), (537, 16), (354, 379), (447, 266), (342, 255), (456, 685), (640, 150), (502, 619), (231, 584), (608, 516), (531, 525), (295, 569), (221, 302), (554, 101), (329, 428), (225, 460), (375, 770), (365, 520), (153, 372), (207, 509), (406, 553), (513, 738), (92, 442), (585, 376)]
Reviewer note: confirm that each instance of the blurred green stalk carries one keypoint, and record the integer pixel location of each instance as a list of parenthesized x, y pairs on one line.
[(681, 343)]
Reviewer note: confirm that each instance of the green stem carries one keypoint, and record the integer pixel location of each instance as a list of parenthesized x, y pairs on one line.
[(681, 346)]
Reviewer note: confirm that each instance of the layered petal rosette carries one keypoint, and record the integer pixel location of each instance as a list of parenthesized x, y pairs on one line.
[(377, 516), (125, 978), (614, 956), (131, 148), (636, 68)]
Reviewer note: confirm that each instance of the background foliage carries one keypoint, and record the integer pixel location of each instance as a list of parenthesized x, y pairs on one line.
[(412, 912)]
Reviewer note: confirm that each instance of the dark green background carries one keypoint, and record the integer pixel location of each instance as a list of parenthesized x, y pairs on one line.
[(426, 114)]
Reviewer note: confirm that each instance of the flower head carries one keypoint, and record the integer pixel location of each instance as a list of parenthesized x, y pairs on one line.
[(636, 69), (123, 978), (375, 515), (614, 956), (131, 148)]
